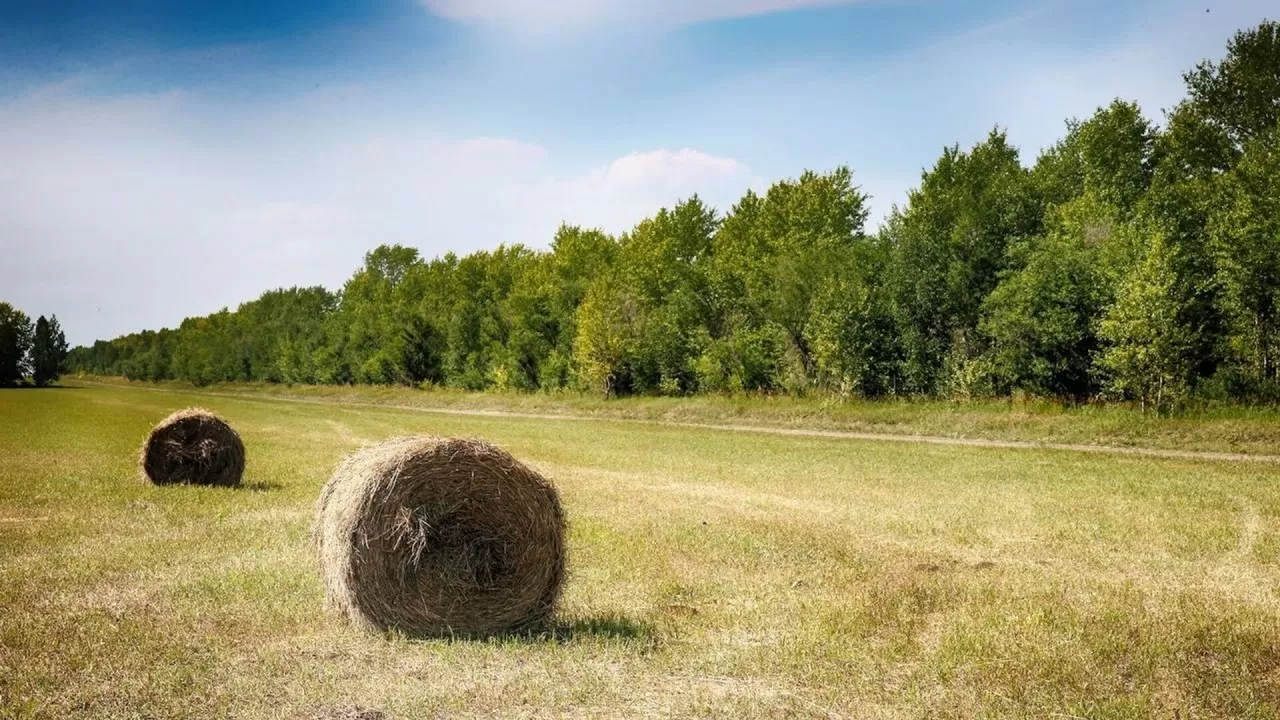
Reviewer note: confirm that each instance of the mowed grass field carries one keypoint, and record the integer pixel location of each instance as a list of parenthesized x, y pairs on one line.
[(713, 574)]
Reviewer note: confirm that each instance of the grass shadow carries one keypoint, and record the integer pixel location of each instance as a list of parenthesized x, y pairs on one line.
[(261, 486), (610, 627), (253, 486)]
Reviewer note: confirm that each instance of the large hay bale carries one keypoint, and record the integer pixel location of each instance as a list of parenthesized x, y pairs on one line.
[(193, 447), (440, 537)]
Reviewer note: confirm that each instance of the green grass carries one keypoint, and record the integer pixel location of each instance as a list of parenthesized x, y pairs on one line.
[(713, 574)]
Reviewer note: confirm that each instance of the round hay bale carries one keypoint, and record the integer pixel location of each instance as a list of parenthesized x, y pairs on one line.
[(440, 537), (193, 447)]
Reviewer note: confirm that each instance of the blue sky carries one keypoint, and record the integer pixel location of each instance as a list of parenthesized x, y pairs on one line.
[(167, 159)]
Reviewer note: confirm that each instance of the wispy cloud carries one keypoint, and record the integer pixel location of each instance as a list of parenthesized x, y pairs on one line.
[(544, 16), (619, 194)]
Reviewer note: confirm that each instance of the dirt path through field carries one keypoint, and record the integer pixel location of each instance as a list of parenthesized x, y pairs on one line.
[(761, 429)]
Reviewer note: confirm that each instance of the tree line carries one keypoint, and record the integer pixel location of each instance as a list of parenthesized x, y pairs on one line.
[(37, 351), (1129, 261)]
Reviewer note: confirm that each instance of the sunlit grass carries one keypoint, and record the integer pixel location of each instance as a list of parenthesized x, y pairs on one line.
[(713, 574)]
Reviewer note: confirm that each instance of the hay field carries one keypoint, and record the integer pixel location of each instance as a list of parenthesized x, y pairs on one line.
[(712, 574)]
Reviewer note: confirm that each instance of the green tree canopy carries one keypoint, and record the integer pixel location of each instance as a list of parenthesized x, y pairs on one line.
[(48, 351), (15, 344), (949, 246)]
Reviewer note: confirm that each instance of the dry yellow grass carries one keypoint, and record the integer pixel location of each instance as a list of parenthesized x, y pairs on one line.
[(712, 574)]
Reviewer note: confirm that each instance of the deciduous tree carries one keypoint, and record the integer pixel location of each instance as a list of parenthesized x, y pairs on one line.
[(48, 351), (15, 344)]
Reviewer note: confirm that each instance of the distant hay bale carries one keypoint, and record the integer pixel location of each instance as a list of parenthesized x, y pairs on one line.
[(440, 537), (193, 447)]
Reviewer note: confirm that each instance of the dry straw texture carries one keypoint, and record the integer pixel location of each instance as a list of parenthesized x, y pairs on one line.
[(193, 447), (440, 537)]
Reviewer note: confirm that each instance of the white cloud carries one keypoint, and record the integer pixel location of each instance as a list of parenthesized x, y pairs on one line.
[(542, 16), (617, 195), (126, 213), (641, 168)]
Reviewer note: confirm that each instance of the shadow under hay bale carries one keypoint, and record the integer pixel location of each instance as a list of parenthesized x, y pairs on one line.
[(440, 537), (352, 713), (193, 447)]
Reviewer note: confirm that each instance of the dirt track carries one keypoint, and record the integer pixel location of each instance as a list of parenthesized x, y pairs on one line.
[(763, 429)]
